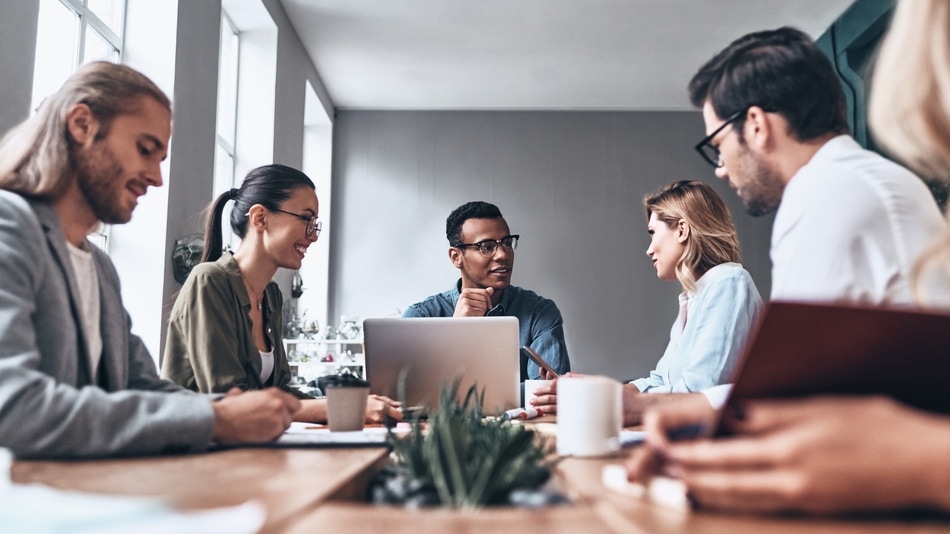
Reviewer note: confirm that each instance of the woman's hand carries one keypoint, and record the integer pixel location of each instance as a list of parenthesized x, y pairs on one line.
[(378, 408), (545, 397), (819, 455)]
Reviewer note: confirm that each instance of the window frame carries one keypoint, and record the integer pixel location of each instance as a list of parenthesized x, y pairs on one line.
[(87, 18)]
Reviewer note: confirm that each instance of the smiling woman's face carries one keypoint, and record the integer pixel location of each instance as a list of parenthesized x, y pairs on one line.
[(287, 240)]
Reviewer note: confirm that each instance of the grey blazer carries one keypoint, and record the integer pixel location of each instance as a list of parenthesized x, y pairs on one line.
[(50, 406)]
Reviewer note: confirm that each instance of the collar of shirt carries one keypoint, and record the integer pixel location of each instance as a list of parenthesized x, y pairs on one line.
[(828, 152)]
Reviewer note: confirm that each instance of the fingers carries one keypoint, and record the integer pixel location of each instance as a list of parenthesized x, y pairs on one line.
[(545, 404), (378, 408), (386, 400), (746, 490), (549, 389), (761, 417), (286, 405), (547, 375), (292, 403), (544, 398), (644, 464), (473, 302), (253, 416), (662, 421)]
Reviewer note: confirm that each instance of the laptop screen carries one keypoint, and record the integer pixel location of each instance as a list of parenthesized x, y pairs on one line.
[(434, 351)]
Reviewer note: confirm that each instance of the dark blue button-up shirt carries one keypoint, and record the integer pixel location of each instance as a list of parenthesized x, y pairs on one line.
[(540, 325)]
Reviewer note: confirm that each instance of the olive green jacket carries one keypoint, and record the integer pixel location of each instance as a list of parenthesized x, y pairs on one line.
[(209, 347)]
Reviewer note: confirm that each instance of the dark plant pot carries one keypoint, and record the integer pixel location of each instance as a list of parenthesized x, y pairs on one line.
[(395, 488)]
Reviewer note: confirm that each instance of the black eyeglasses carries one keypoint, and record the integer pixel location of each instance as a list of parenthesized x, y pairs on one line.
[(314, 226), (707, 150), (489, 246)]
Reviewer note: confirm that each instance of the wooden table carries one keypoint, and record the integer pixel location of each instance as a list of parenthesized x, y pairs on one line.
[(288, 482), (318, 490)]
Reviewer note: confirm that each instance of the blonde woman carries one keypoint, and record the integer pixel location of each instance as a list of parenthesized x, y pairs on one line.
[(693, 241), (841, 454)]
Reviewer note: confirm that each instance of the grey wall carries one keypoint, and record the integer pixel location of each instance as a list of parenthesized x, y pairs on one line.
[(294, 70), (570, 183), (191, 174), (17, 32)]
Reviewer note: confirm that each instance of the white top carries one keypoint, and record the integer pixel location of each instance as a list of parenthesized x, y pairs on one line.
[(850, 226), (87, 285), (267, 365)]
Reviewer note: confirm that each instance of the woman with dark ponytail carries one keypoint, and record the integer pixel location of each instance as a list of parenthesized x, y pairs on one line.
[(225, 327)]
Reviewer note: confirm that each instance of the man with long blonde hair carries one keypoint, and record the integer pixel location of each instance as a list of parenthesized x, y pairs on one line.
[(74, 380)]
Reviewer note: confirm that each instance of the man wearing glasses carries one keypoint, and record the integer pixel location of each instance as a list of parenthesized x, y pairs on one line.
[(850, 223), (482, 247)]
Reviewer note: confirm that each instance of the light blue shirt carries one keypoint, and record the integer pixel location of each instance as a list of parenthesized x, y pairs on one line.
[(540, 325), (704, 349)]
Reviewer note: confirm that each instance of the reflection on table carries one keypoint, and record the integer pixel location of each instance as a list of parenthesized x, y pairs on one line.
[(321, 490)]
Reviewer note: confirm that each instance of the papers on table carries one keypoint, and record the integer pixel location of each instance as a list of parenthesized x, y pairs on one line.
[(660, 490), (317, 435), (38, 508), (313, 435)]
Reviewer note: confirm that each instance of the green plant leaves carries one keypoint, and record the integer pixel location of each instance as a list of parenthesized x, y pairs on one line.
[(469, 460)]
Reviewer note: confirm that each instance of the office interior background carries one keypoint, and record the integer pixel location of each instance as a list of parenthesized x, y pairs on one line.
[(393, 151)]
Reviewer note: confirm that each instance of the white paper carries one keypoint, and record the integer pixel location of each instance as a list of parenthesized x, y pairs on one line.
[(35, 508), (304, 434)]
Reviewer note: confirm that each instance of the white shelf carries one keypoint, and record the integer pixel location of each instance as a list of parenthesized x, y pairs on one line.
[(303, 340), (314, 351)]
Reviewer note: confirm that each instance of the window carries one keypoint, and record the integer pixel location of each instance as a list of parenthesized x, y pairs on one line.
[(226, 127), (71, 33)]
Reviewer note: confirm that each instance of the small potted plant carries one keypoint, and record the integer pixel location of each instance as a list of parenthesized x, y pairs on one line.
[(461, 458)]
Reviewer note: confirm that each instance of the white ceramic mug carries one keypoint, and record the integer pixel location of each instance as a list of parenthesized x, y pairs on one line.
[(346, 407), (589, 415)]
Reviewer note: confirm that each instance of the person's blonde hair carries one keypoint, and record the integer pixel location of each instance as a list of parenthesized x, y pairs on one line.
[(712, 236), (36, 156), (909, 109)]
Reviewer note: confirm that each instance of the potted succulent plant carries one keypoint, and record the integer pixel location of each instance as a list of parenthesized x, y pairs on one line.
[(461, 458)]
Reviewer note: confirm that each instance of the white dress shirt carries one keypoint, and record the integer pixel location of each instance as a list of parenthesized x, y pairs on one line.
[(850, 226)]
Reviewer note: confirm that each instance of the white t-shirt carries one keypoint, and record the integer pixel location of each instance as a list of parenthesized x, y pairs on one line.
[(850, 227), (267, 365), (87, 285)]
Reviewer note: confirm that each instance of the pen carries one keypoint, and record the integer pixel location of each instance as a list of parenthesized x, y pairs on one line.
[(520, 413)]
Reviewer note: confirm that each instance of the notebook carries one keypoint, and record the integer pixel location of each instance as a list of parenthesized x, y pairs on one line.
[(434, 350), (801, 349)]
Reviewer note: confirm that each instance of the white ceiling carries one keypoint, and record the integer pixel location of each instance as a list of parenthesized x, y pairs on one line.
[(529, 54)]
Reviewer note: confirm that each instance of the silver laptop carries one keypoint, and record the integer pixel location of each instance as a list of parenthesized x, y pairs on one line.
[(482, 350)]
